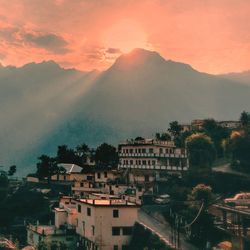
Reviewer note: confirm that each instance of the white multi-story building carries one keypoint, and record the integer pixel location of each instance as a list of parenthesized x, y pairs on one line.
[(152, 154), (105, 224)]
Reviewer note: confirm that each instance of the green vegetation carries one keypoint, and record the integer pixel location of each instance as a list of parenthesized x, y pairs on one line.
[(144, 239), (105, 156), (201, 150), (163, 136), (174, 128), (12, 170), (4, 185), (52, 246), (190, 215), (23, 204), (217, 134)]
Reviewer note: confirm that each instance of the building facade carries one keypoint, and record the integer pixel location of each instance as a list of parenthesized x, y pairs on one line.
[(105, 224), (151, 154)]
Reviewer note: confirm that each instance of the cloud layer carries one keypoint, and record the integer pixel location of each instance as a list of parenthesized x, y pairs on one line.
[(211, 35)]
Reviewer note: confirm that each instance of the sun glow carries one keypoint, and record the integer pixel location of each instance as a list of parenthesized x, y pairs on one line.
[(125, 35)]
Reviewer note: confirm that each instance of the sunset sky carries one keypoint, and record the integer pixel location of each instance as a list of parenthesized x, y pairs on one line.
[(211, 35)]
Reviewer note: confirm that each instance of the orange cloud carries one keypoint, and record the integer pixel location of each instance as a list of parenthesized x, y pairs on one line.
[(211, 35)]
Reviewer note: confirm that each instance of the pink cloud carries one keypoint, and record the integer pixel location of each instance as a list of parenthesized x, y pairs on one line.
[(211, 35)]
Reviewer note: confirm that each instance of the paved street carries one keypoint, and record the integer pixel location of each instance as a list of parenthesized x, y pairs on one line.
[(226, 168), (162, 229)]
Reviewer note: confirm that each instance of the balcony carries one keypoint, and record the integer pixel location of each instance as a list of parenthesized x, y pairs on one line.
[(152, 155), (87, 189), (152, 167)]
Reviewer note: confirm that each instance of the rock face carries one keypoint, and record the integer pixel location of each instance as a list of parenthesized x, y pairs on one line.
[(44, 105)]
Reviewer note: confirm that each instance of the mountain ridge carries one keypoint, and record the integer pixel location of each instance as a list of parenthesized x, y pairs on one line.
[(47, 105)]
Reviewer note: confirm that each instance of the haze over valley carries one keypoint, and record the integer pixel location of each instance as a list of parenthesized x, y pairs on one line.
[(44, 105)]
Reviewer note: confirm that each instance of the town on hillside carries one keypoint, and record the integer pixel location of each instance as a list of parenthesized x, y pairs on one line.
[(187, 188)]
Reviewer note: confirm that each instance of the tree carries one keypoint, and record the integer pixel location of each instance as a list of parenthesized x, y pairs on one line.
[(12, 170), (174, 128), (245, 119), (4, 184), (201, 150), (163, 137), (106, 155), (67, 155), (217, 133), (46, 167), (202, 226), (239, 146), (201, 193), (180, 140), (83, 152)]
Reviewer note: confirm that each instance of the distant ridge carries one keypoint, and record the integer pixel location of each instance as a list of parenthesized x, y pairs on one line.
[(43, 105)]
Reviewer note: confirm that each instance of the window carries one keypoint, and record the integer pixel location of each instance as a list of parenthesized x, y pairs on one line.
[(83, 228), (89, 178), (127, 230), (98, 175), (115, 231), (125, 247), (81, 185), (144, 150), (79, 208), (131, 162), (105, 174), (93, 230), (144, 162), (146, 178), (88, 211), (131, 151), (161, 150), (115, 247), (151, 150), (115, 213), (153, 162)]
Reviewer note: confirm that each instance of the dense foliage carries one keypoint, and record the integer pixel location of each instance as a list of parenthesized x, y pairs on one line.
[(201, 150), (104, 156), (144, 239)]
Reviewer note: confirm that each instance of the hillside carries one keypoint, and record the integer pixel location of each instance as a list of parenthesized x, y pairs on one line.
[(242, 77), (44, 105)]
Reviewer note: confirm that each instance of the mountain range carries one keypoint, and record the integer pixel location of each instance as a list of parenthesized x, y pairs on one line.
[(43, 105)]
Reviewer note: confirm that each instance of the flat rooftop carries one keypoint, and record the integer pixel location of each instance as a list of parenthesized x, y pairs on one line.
[(146, 142), (107, 202)]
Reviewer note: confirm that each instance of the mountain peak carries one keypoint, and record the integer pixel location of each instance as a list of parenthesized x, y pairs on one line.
[(137, 57)]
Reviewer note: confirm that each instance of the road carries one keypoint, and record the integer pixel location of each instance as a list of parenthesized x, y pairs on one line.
[(226, 168), (162, 229)]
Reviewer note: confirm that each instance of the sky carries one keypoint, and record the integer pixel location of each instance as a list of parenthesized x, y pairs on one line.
[(211, 35)]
